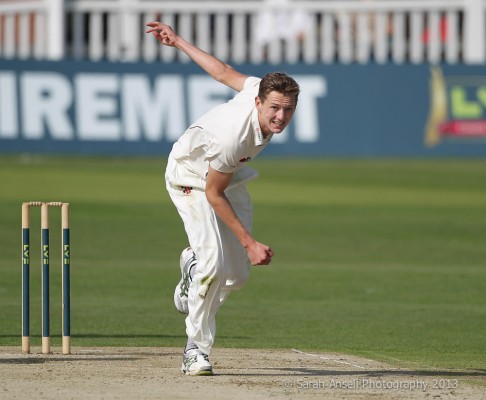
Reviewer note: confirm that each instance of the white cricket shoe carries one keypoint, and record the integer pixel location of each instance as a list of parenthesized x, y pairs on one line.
[(187, 262), (195, 362)]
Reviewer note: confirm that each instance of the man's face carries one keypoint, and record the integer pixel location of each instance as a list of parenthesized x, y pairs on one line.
[(275, 113)]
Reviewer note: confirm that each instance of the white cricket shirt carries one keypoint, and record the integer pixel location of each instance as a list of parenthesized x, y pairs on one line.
[(226, 137)]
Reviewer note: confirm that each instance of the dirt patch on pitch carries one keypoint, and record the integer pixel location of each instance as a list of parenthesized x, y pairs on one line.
[(154, 373)]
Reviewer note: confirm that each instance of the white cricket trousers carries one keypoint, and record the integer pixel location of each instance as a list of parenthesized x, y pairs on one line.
[(222, 263)]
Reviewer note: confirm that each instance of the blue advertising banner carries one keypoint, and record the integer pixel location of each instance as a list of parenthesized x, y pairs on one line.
[(142, 108)]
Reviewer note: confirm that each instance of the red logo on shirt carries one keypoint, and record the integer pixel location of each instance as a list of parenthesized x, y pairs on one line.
[(246, 159)]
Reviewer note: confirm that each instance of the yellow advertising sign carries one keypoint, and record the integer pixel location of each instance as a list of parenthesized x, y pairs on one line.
[(457, 108)]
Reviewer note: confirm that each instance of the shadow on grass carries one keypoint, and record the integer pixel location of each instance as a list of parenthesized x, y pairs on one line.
[(29, 360), (120, 336), (307, 372)]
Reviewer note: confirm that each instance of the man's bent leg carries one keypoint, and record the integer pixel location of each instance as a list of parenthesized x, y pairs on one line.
[(201, 225)]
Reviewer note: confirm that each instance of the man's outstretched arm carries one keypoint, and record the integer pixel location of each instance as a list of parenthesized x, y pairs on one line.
[(220, 71)]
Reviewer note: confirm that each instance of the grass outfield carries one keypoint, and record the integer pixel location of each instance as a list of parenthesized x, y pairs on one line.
[(380, 258)]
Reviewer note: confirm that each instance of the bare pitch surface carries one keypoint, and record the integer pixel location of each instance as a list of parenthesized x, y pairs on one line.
[(153, 373)]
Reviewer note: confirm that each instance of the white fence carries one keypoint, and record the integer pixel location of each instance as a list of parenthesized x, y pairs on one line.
[(343, 31)]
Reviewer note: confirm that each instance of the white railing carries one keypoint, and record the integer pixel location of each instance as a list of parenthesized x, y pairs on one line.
[(342, 31), (32, 29)]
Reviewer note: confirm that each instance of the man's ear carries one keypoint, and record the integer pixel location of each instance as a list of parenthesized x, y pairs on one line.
[(258, 103)]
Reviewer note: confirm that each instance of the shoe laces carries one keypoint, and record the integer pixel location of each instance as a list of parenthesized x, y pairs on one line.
[(186, 277), (192, 359), (186, 280)]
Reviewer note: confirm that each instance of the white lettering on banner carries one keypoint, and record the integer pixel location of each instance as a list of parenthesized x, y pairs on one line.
[(96, 107), (45, 100), (307, 114), (205, 94), (127, 107), (8, 105), (151, 111)]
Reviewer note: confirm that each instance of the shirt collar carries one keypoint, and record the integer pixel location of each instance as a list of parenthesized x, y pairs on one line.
[(259, 138)]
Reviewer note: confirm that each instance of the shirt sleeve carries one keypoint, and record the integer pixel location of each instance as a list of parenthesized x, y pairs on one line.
[(220, 166), (251, 82)]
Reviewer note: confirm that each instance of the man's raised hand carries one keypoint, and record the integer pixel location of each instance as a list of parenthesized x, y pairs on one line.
[(163, 33)]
